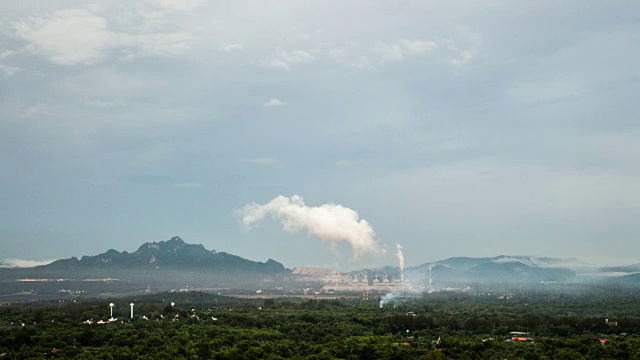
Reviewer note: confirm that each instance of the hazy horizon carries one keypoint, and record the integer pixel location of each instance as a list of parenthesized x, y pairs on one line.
[(452, 128), (27, 263)]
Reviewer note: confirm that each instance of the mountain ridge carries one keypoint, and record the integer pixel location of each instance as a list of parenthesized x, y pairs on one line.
[(166, 264), (173, 253), (175, 261)]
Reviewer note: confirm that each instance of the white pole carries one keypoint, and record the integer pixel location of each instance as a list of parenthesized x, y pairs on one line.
[(131, 310)]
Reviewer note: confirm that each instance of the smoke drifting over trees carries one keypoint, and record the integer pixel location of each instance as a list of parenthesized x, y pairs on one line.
[(329, 222)]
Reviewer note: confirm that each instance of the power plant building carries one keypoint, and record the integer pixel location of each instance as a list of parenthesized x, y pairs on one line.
[(355, 283)]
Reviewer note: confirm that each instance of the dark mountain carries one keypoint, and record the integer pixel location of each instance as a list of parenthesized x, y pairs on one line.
[(174, 254), (163, 265)]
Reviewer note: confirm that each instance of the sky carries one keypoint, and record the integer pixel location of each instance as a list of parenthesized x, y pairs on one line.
[(453, 128)]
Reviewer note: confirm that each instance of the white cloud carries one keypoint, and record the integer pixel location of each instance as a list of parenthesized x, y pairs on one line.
[(38, 109), (341, 57), (463, 55), (67, 37), (399, 51), (391, 53), (78, 37), (418, 46), (295, 56), (285, 59), (232, 47), (274, 102), (22, 263), (7, 53), (187, 6), (278, 64), (154, 10), (9, 70)]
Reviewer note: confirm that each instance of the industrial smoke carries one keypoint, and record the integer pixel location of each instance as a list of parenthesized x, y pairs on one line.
[(329, 222), (391, 296), (400, 257)]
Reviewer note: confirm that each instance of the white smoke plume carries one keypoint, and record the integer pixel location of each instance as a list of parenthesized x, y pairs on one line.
[(387, 298), (329, 222), (391, 296), (400, 256)]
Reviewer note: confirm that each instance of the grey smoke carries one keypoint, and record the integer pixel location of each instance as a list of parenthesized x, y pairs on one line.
[(332, 223), (391, 296)]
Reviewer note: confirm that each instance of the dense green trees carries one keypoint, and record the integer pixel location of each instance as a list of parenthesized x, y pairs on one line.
[(203, 326)]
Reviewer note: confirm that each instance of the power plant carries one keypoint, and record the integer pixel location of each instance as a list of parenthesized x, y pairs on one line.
[(345, 282), (358, 281)]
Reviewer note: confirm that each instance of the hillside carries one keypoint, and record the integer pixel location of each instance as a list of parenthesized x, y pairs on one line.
[(499, 269), (162, 265), (173, 254)]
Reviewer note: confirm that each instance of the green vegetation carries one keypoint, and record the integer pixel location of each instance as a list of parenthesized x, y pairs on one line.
[(208, 326)]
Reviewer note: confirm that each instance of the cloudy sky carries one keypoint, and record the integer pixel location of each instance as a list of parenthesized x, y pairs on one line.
[(454, 128)]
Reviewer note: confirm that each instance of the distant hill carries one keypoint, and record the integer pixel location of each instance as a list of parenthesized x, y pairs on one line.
[(465, 263), (625, 269), (174, 265), (517, 272), (630, 281), (457, 263), (174, 254), (167, 264), (499, 269)]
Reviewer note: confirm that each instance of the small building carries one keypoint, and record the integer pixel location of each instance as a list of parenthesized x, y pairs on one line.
[(520, 336)]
